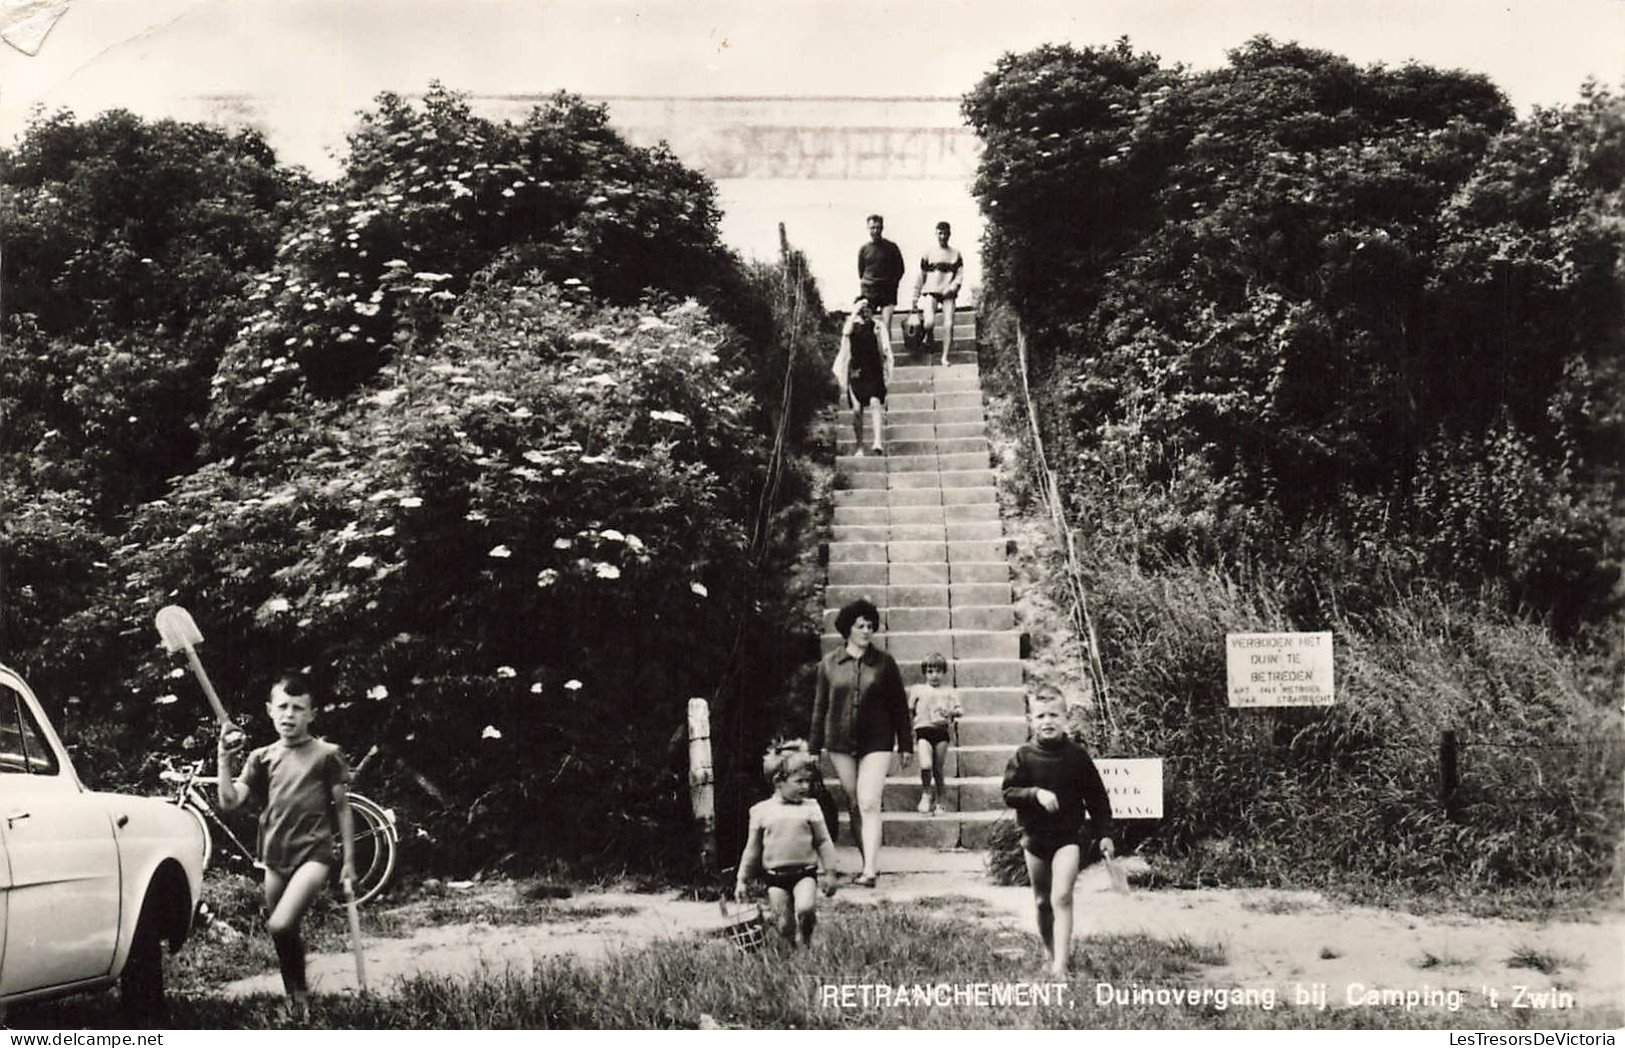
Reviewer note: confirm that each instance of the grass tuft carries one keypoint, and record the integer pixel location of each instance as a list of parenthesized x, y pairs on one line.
[(1546, 962)]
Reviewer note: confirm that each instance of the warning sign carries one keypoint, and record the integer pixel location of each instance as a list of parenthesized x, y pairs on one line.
[(1280, 669), (1134, 785)]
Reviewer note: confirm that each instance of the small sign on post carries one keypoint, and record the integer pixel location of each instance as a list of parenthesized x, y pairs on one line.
[(1280, 669), (1134, 785)]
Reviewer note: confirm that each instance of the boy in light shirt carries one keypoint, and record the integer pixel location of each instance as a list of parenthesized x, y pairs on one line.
[(787, 841)]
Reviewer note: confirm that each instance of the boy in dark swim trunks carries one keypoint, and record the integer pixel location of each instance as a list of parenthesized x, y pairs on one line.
[(300, 783), (1053, 785), (787, 840), (942, 271), (934, 709)]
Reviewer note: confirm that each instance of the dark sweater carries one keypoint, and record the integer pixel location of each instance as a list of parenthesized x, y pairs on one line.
[(880, 263), (1063, 768)]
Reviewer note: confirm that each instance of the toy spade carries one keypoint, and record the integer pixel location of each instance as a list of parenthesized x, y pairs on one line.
[(355, 934), (1118, 875), (180, 633)]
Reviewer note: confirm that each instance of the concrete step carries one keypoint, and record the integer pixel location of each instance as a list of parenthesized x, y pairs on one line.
[(892, 461), (934, 400), (964, 320), (879, 574), (870, 515), (898, 860), (991, 617), (861, 480), (909, 428), (992, 702), (847, 445), (973, 531), (919, 620), (938, 514), (910, 380), (964, 354), (941, 480), (862, 552), (981, 477), (951, 595), (902, 793), (986, 673), (952, 830), (874, 581), (979, 572), (933, 416), (987, 496), (982, 761), (896, 460), (866, 575), (926, 480), (991, 730), (950, 643)]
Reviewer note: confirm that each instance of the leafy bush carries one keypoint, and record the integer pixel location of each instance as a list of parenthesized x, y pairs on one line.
[(127, 245), (1295, 297), (1325, 347), (432, 196), (500, 446), (506, 564)]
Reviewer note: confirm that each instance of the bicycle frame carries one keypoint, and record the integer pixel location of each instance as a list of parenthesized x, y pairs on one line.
[(377, 838)]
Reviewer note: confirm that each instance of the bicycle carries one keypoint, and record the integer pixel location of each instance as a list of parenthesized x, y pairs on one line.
[(377, 841)]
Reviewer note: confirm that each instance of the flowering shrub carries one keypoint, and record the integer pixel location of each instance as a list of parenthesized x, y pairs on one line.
[(431, 196), (512, 560), (487, 449)]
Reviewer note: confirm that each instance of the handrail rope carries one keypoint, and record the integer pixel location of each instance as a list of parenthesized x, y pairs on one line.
[(765, 504), (772, 482), (1050, 490)]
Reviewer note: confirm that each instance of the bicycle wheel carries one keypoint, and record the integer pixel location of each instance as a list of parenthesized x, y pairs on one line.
[(376, 843), (203, 828)]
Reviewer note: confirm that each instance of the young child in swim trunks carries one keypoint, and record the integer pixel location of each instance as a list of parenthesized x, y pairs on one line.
[(933, 709), (1054, 787), (787, 841)]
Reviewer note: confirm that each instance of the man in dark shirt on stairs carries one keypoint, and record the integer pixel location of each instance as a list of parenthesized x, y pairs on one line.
[(1052, 783), (880, 270)]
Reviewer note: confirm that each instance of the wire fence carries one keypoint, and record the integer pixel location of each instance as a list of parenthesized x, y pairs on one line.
[(1049, 487), (761, 545)]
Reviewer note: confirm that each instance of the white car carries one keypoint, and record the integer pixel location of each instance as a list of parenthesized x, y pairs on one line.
[(91, 884)]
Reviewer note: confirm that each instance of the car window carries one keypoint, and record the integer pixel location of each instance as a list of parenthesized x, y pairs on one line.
[(22, 744)]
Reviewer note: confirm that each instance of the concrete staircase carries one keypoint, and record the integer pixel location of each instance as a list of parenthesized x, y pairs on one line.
[(917, 531)]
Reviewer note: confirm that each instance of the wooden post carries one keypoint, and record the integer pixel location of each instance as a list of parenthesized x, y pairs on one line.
[(701, 780), (1448, 773)]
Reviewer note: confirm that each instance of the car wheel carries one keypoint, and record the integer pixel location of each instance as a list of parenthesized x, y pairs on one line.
[(141, 986)]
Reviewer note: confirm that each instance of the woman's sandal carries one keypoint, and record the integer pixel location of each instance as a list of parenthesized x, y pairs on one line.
[(864, 880)]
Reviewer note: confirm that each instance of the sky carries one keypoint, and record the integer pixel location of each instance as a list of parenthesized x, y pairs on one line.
[(310, 64), (143, 53)]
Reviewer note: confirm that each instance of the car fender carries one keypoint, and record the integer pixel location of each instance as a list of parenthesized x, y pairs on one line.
[(160, 846)]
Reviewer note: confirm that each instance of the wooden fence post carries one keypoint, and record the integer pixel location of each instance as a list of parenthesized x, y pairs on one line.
[(1448, 773), (701, 781)]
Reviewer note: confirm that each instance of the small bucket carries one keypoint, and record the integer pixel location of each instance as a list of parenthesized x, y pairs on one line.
[(744, 926)]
